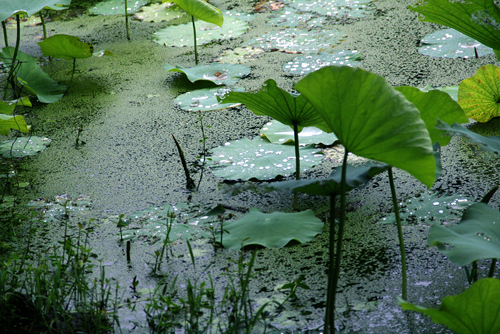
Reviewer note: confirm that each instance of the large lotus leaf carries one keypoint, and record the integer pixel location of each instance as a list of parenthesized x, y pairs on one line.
[(202, 10), (286, 18), (24, 146), (29, 7), (450, 43), (220, 74), (298, 40), (239, 55), (205, 99), (8, 122), (490, 144), (34, 79), (246, 159), (433, 105), (430, 208), (479, 95), (159, 12), (451, 90), (116, 7), (66, 47), (476, 237), (279, 133), (474, 311), (182, 34), (302, 65), (478, 19), (7, 107), (271, 230), (275, 102), (354, 8), (371, 119)]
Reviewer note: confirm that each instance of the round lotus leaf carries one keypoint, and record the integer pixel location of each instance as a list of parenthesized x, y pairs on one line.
[(182, 34), (241, 16), (451, 90), (271, 230), (353, 8), (220, 74), (286, 18), (304, 64), (205, 99), (66, 47), (298, 41), (164, 12), (449, 43), (23, 146), (279, 133), (245, 159), (114, 7), (239, 55), (479, 95)]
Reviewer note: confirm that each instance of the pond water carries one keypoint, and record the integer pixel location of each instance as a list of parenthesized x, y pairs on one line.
[(125, 108)]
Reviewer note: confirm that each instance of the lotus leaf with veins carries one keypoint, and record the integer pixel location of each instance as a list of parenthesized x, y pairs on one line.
[(182, 34), (116, 7), (451, 90), (479, 95), (298, 41), (246, 159), (302, 65), (205, 99), (450, 43), (160, 12), (220, 74), (23, 146), (9, 8)]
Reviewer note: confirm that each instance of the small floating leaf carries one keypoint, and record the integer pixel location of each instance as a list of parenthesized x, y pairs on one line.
[(479, 95), (205, 99), (66, 47), (279, 133), (302, 65), (116, 7), (357, 8), (245, 159), (450, 43), (23, 146), (164, 12), (298, 41), (271, 230), (239, 55), (8, 122), (474, 311), (182, 34), (220, 74)]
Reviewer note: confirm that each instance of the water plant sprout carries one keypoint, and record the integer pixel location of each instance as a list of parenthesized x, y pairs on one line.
[(201, 10)]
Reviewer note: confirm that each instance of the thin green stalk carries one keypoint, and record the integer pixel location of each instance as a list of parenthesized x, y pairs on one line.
[(400, 235), (73, 72), (10, 78), (204, 148), (195, 48), (43, 26), (297, 160), (330, 299), (189, 181), (126, 20), (5, 37)]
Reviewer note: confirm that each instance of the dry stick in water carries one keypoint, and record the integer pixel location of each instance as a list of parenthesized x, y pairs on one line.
[(190, 185)]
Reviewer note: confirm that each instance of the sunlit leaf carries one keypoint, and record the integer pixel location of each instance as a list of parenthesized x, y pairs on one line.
[(202, 10), (358, 8), (479, 95), (66, 47), (279, 133), (474, 311), (7, 123), (302, 65), (29, 7), (159, 12), (205, 99), (271, 230)]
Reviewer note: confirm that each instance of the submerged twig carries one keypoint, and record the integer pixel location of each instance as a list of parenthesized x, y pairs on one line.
[(190, 185)]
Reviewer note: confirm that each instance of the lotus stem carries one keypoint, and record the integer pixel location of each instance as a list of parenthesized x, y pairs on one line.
[(329, 293), (400, 235), (195, 48), (14, 58), (73, 72), (332, 290), (126, 20), (204, 148), (297, 160), (5, 37), (492, 268), (189, 181), (43, 26)]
